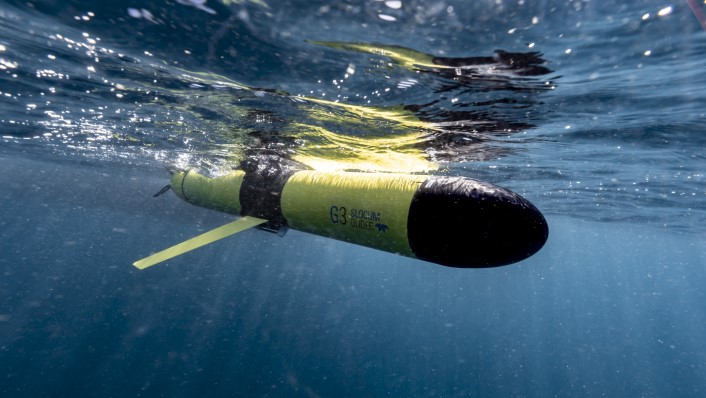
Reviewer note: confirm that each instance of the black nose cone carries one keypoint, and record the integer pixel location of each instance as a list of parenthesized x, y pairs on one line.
[(461, 222)]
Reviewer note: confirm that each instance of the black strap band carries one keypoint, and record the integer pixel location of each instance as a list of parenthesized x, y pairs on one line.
[(261, 191)]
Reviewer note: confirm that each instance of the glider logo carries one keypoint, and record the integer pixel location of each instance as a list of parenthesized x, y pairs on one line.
[(338, 215), (360, 219), (381, 227)]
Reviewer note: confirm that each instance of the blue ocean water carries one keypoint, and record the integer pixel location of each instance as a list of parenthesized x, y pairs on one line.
[(605, 135)]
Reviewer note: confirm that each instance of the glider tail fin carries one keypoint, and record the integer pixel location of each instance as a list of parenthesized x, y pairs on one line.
[(211, 236)]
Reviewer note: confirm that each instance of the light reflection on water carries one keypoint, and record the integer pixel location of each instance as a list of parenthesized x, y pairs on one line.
[(210, 89)]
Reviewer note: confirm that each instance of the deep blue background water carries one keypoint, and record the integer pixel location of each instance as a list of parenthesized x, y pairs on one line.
[(613, 155)]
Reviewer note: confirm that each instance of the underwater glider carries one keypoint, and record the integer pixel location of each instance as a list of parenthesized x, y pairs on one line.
[(452, 221)]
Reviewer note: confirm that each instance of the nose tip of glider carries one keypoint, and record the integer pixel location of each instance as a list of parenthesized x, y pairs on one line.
[(471, 224)]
